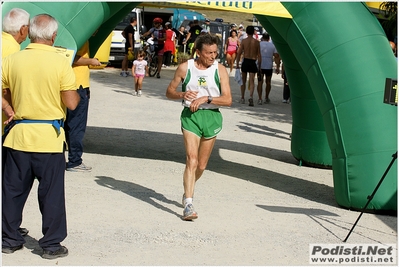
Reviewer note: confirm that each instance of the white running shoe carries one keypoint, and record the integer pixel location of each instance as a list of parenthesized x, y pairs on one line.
[(80, 168), (189, 213)]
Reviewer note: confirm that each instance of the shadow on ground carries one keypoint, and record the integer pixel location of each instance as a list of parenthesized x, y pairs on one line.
[(329, 221), (138, 191), (169, 147)]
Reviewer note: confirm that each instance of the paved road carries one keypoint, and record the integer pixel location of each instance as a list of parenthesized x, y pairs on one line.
[(256, 205)]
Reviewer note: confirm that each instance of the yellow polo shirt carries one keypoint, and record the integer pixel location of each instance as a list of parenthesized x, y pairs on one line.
[(36, 76), (8, 46), (82, 73)]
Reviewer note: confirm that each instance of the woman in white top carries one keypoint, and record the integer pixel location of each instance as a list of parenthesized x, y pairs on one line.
[(205, 87)]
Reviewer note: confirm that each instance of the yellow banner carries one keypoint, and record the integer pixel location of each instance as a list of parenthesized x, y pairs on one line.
[(275, 9), (375, 5)]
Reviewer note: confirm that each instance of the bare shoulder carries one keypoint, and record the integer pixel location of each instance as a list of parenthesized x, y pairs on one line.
[(221, 66), (222, 69), (182, 69), (183, 66)]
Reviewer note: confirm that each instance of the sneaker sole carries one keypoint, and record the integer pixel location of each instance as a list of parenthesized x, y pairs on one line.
[(57, 254), (53, 257), (75, 170), (191, 217), (10, 251)]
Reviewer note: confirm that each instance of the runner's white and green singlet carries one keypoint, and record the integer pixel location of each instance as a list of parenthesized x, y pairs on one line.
[(206, 82)]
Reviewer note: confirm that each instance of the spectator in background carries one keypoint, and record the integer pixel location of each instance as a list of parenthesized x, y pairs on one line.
[(189, 25), (257, 34), (158, 34), (194, 50), (203, 31), (76, 119), (207, 26), (139, 70), (233, 27), (15, 30), (250, 49), (128, 34), (181, 37), (269, 55), (241, 34), (230, 49), (170, 45), (194, 32), (41, 83)]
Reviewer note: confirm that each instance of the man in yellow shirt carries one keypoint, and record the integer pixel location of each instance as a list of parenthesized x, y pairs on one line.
[(41, 85), (76, 121), (15, 30)]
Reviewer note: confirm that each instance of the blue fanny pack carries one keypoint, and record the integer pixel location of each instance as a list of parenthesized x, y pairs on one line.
[(57, 124)]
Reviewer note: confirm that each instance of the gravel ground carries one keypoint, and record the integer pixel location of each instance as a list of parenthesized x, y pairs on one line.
[(256, 205)]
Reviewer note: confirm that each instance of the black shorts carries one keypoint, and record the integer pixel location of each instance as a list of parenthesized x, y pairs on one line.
[(249, 65), (127, 46), (267, 72), (158, 47)]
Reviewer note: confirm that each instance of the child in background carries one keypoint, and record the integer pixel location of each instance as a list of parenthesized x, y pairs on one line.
[(139, 70)]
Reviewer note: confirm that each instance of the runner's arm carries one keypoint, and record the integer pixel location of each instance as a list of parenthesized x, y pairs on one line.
[(171, 91), (225, 98)]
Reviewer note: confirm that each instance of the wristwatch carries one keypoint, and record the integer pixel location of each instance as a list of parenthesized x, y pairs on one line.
[(209, 99)]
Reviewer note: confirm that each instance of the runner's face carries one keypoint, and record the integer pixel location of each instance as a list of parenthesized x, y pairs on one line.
[(208, 54)]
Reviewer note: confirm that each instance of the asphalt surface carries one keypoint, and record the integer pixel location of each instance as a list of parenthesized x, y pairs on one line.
[(256, 205)]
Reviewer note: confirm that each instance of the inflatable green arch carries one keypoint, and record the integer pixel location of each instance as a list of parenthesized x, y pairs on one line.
[(336, 56)]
